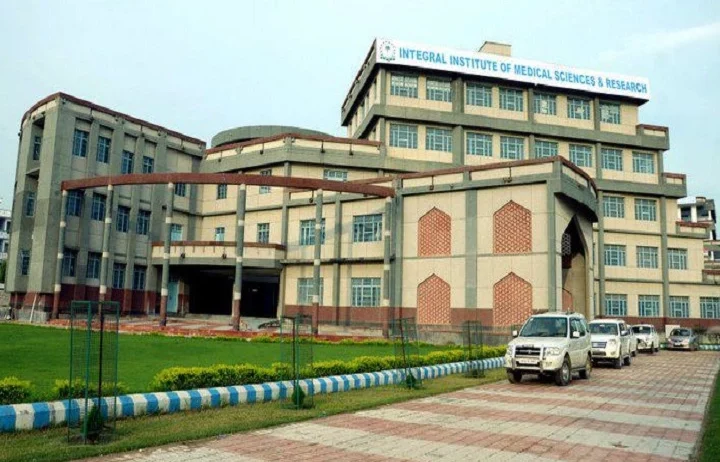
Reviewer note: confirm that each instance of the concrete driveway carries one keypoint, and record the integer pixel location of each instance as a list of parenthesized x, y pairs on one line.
[(651, 411)]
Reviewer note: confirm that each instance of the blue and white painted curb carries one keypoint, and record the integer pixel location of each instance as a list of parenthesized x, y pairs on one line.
[(709, 347), (30, 416)]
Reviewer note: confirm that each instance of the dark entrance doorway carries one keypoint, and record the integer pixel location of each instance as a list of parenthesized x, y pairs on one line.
[(210, 289), (260, 294)]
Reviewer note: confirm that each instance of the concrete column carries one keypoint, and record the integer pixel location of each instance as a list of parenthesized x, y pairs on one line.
[(316, 259), (596, 113), (600, 257), (167, 228), (105, 258), (387, 241), (598, 163), (398, 234), (531, 109), (693, 213), (285, 213), (531, 146), (458, 145), (665, 310), (239, 247), (458, 96), (337, 247), (59, 261), (552, 187)]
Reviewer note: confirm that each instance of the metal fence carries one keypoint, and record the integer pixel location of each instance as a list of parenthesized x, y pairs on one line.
[(296, 357)]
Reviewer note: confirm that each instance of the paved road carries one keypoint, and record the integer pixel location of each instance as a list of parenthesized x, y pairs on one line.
[(651, 411)]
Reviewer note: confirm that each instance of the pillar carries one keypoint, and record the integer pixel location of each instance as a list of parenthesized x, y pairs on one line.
[(316, 260), (239, 246), (387, 234), (105, 258), (166, 253), (59, 262)]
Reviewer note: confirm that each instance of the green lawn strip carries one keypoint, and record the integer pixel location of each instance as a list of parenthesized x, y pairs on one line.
[(148, 431), (710, 447), (41, 355)]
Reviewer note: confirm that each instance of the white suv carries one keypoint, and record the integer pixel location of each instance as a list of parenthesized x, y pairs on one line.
[(551, 344), (611, 342), (647, 338)]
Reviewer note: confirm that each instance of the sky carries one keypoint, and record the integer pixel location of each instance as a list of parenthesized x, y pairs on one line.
[(202, 67)]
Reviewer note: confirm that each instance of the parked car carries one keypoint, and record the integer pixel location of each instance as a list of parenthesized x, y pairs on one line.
[(610, 342), (550, 344), (632, 341), (647, 338), (682, 338)]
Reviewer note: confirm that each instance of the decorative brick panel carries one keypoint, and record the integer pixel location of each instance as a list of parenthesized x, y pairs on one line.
[(434, 233), (512, 229), (433, 301), (512, 300)]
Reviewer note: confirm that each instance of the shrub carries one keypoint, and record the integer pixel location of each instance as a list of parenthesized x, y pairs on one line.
[(62, 390), (14, 390)]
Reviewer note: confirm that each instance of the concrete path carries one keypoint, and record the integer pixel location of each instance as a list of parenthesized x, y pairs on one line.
[(651, 411)]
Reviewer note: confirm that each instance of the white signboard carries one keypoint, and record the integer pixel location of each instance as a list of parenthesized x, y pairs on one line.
[(502, 67)]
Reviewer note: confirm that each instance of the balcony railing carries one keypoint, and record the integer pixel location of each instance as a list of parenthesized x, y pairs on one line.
[(199, 252)]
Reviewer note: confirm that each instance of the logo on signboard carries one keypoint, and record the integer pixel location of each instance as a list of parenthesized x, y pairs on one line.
[(387, 51)]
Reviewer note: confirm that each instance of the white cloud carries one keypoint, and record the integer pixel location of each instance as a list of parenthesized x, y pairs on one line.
[(661, 42)]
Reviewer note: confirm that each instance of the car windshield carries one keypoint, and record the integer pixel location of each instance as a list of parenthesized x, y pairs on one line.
[(642, 329), (680, 333), (604, 328), (545, 327)]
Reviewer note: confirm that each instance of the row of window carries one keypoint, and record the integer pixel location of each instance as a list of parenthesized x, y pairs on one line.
[(645, 257), (92, 271), (645, 209), (363, 291), (649, 306), (97, 212), (80, 149), (511, 99)]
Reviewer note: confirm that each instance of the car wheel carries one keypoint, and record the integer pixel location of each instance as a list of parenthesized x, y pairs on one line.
[(657, 349), (618, 363), (564, 374), (628, 360), (652, 349), (585, 373), (514, 376), (634, 352)]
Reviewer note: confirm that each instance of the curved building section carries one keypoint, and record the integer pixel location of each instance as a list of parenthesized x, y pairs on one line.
[(251, 132)]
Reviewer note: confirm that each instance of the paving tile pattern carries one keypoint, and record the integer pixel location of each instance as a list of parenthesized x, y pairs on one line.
[(651, 411)]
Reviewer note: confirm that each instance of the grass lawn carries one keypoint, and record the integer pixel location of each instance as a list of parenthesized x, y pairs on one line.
[(51, 445), (710, 448), (41, 355)]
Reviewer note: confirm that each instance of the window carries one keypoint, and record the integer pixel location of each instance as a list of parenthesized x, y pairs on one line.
[(438, 139), (220, 234), (404, 85), (335, 175), (365, 291), (97, 211), (181, 189), (679, 307), (614, 255), (367, 228), (30, 204), (545, 104), (511, 99), (139, 278), (581, 155), (647, 257), (545, 149), (93, 265), (148, 164), (103, 150), (512, 147), (645, 209), (677, 259), (265, 189), (403, 136), (142, 226), (126, 166), (610, 113), (221, 191), (306, 291), (69, 263), (479, 95), (612, 159), (74, 203), (37, 144), (122, 223), (615, 305), (649, 306), (118, 277), (307, 232), (643, 162), (263, 233), (578, 109), (710, 307), (479, 144), (80, 143), (614, 207), (24, 262), (438, 90), (176, 232)]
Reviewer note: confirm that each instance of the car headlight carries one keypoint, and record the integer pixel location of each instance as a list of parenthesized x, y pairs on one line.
[(612, 342), (553, 351), (511, 350), (686, 341)]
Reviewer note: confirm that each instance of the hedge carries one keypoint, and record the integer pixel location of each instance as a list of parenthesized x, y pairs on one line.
[(222, 375), (14, 390), (61, 390)]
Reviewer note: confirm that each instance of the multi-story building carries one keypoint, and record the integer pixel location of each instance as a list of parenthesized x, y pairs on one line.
[(4, 233), (470, 186), (698, 209)]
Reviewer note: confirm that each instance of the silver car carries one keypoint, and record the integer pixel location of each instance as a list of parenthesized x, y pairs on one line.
[(682, 338)]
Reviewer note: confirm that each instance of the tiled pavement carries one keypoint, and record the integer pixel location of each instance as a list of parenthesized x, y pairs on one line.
[(651, 411)]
